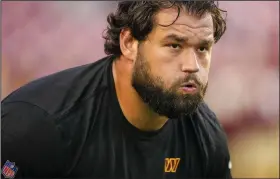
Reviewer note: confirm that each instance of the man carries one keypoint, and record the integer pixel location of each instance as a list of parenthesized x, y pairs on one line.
[(138, 113)]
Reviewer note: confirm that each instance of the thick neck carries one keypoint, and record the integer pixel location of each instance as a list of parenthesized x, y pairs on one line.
[(134, 109)]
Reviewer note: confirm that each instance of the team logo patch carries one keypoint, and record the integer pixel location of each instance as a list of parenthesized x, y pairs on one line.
[(9, 169), (171, 164)]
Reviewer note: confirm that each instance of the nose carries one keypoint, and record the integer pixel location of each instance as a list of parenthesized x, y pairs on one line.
[(190, 62)]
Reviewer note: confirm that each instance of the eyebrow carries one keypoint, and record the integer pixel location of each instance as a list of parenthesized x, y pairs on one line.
[(182, 39), (176, 38), (208, 42)]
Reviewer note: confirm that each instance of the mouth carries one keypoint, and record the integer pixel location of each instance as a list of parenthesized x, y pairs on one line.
[(189, 87), (190, 84)]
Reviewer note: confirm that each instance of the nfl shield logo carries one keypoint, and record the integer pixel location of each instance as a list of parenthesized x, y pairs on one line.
[(9, 169)]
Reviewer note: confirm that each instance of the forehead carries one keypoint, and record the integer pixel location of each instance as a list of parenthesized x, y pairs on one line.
[(186, 24)]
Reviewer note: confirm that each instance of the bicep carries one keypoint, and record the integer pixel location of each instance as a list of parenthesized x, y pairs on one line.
[(30, 140)]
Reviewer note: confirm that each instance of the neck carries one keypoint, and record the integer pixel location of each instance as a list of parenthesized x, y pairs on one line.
[(134, 109)]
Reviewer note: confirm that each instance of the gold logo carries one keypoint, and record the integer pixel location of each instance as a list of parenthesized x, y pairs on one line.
[(171, 164)]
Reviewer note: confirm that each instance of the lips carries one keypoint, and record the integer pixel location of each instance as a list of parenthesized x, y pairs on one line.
[(190, 84), (189, 87)]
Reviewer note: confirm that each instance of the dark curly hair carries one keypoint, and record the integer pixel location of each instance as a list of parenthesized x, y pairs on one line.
[(138, 16)]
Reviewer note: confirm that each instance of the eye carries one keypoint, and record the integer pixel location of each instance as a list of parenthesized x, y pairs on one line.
[(174, 46), (203, 49)]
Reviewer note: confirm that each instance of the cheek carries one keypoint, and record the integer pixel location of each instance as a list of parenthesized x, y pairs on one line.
[(204, 72), (160, 63), (159, 54), (205, 61), (166, 72)]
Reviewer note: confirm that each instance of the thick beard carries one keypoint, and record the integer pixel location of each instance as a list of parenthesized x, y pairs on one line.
[(165, 102)]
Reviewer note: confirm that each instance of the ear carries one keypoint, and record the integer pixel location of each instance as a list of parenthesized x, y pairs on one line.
[(128, 45)]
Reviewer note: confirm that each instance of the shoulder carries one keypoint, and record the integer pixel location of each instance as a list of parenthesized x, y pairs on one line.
[(211, 130), (31, 140), (44, 123), (60, 91), (213, 139), (209, 122)]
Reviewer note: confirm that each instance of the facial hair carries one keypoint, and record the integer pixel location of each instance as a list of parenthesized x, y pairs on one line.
[(165, 102)]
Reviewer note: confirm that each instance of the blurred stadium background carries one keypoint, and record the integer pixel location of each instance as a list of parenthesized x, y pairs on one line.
[(40, 38)]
